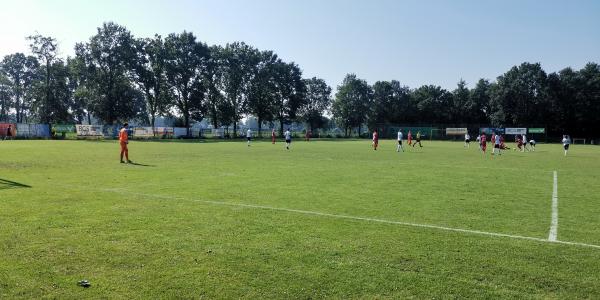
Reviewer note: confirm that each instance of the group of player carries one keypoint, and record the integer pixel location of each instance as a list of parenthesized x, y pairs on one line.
[(496, 139), (521, 143), (409, 139)]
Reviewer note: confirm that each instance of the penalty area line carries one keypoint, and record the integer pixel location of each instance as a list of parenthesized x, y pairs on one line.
[(339, 216)]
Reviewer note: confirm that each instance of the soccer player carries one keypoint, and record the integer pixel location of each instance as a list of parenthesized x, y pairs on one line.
[(273, 136), (566, 141), (249, 136), (409, 138), (375, 140), (467, 140), (518, 142), (418, 140), (399, 141), (497, 142), (483, 142), (288, 139), (9, 133), (524, 140), (124, 140), (532, 145)]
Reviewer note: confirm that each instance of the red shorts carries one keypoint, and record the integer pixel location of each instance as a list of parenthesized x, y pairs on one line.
[(123, 146)]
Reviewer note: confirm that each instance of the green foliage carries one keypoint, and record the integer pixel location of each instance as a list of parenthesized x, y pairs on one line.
[(352, 102)]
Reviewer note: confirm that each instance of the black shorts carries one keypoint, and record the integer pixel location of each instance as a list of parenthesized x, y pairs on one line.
[(467, 140), (566, 146), (496, 146), (249, 138), (532, 144), (418, 141), (288, 141), (400, 142)]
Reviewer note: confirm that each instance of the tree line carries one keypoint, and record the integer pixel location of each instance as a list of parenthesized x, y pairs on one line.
[(116, 77)]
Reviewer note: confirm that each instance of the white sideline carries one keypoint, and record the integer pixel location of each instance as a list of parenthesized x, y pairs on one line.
[(316, 213), (554, 223)]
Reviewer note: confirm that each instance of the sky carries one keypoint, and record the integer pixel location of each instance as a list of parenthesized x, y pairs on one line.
[(414, 42)]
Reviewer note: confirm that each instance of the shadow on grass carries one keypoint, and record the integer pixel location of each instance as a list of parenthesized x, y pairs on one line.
[(7, 184), (140, 165)]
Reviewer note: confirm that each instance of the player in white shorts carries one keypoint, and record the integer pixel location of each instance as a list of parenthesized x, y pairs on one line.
[(467, 140), (288, 139), (249, 136), (400, 136), (532, 145)]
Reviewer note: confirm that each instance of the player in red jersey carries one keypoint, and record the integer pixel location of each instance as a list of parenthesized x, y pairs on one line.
[(273, 136), (409, 138), (483, 142), (375, 140)]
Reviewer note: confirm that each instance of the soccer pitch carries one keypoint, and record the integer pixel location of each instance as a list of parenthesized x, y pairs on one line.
[(325, 219)]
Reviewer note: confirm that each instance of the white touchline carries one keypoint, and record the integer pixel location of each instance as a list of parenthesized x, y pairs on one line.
[(316, 213), (554, 223)]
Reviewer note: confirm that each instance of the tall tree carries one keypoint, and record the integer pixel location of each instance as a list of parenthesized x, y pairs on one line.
[(461, 103), (262, 88), (186, 70), (478, 106), (237, 71), (5, 97), (352, 102), (109, 56), (290, 92), (44, 48), (433, 104), (318, 101), (150, 73), (520, 97), (22, 73)]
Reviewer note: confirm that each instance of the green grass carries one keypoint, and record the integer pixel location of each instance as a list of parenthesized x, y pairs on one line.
[(69, 211)]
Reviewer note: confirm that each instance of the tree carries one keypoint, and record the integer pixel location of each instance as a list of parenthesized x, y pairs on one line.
[(317, 102), (150, 70), (462, 106), (109, 57), (215, 103), (186, 74), (54, 97), (478, 106), (21, 72), (433, 104), (45, 49), (262, 88), (520, 97), (237, 71), (352, 102), (5, 97), (290, 92)]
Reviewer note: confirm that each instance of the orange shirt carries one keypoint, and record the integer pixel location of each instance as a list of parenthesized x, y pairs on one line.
[(123, 137)]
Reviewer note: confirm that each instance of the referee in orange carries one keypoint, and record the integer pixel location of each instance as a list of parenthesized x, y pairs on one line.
[(124, 140)]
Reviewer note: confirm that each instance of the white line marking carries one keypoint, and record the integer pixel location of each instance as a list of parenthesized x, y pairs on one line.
[(554, 223), (316, 213)]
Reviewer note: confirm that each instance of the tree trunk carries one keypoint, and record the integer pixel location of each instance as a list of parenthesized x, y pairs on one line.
[(152, 124), (234, 129), (186, 122), (259, 127), (280, 126)]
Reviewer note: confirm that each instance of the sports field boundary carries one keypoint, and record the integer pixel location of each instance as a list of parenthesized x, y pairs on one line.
[(348, 217), (552, 235)]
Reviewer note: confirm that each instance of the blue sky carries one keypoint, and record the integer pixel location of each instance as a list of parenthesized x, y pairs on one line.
[(415, 42)]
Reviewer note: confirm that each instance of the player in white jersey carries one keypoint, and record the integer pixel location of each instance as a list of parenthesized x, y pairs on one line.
[(400, 136), (524, 139), (566, 141), (497, 143), (288, 139), (249, 136), (467, 140), (532, 145)]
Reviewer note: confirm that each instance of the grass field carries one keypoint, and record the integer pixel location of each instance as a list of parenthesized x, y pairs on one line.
[(325, 219)]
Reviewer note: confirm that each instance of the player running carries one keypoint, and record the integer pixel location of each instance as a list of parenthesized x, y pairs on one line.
[(288, 139), (418, 140), (399, 141), (467, 140), (566, 141), (249, 136), (483, 142), (375, 140), (124, 141)]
